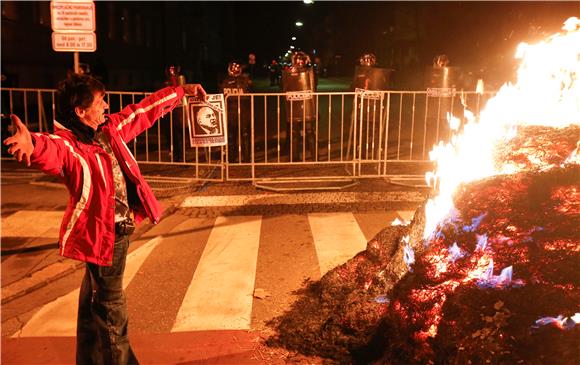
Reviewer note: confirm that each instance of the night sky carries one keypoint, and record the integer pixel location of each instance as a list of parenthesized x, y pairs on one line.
[(404, 35), (481, 33)]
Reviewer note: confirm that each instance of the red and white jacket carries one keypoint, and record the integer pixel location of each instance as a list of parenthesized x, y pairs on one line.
[(87, 231)]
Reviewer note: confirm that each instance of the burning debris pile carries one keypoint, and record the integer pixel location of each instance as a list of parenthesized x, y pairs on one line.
[(487, 272), (497, 282)]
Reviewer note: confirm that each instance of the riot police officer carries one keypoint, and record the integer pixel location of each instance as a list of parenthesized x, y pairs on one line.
[(300, 107), (237, 85), (370, 77), (367, 76)]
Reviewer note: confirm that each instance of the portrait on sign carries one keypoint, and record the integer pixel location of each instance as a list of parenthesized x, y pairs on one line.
[(206, 121)]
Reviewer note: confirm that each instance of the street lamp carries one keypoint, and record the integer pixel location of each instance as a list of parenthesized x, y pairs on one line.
[(293, 38), (308, 2), (299, 24)]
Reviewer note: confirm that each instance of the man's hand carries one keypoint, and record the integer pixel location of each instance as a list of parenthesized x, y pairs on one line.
[(195, 90), (20, 143)]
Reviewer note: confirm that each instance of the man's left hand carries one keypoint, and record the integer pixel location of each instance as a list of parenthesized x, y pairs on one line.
[(195, 90)]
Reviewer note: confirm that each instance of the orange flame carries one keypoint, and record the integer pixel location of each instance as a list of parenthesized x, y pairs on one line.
[(547, 92)]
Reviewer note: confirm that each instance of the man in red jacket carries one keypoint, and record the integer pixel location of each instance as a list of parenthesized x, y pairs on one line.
[(89, 152)]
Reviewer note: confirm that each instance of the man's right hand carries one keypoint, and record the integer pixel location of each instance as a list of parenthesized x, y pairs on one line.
[(20, 143)]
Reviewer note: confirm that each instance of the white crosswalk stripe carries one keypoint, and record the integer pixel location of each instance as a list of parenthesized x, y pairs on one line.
[(337, 238), (220, 294), (226, 275)]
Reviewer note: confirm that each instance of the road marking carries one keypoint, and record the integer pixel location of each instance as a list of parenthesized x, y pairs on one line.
[(300, 198), (221, 291), (337, 237), (32, 223), (59, 317)]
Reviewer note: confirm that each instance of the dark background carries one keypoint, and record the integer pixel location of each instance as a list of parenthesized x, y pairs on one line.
[(136, 40)]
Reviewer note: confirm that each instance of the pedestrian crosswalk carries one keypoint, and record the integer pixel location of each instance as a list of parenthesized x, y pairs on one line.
[(225, 274), (201, 273)]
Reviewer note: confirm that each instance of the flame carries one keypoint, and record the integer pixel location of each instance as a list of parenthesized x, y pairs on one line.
[(547, 92), (561, 322)]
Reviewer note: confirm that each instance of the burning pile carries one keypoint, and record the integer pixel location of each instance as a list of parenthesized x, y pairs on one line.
[(488, 270)]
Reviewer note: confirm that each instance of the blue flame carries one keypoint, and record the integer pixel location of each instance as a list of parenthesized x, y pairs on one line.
[(481, 242), (455, 253), (408, 256), (504, 279), (451, 219), (475, 222), (383, 299), (565, 323)]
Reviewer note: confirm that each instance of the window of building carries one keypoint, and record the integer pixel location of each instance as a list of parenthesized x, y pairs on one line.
[(138, 30), (10, 10), (126, 26), (148, 34), (184, 40), (111, 20), (42, 12)]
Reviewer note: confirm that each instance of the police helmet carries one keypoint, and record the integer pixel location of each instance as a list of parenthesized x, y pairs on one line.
[(300, 59), (440, 61), (234, 69), (368, 59)]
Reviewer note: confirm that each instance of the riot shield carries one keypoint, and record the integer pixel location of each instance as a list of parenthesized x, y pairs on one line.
[(442, 84), (371, 78), (238, 115), (300, 111)]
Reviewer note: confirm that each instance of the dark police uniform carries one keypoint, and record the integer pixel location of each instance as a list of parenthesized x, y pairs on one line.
[(238, 116)]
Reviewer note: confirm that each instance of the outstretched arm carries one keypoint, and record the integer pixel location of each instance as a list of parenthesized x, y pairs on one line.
[(135, 118), (20, 143)]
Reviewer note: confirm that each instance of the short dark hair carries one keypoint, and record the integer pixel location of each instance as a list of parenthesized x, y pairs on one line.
[(76, 91)]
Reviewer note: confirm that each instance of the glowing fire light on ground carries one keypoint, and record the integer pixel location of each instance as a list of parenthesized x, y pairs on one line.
[(547, 92)]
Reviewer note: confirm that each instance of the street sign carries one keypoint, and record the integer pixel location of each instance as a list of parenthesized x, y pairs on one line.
[(74, 42), (73, 15), (73, 24)]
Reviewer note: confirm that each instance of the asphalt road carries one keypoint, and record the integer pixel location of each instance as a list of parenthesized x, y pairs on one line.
[(226, 257)]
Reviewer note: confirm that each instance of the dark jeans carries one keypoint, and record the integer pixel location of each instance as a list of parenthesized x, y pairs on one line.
[(102, 318)]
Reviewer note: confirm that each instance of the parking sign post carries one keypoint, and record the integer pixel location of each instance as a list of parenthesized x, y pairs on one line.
[(73, 25)]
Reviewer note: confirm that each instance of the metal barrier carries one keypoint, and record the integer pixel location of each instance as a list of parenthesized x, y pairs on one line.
[(278, 137), (385, 134)]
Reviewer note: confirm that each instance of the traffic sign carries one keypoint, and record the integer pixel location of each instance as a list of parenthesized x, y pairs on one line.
[(74, 42), (73, 15), (73, 24)]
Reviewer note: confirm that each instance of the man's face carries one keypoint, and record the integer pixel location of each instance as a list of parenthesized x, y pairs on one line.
[(94, 115), (208, 120)]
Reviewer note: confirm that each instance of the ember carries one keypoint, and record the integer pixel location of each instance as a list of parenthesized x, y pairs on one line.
[(487, 271)]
